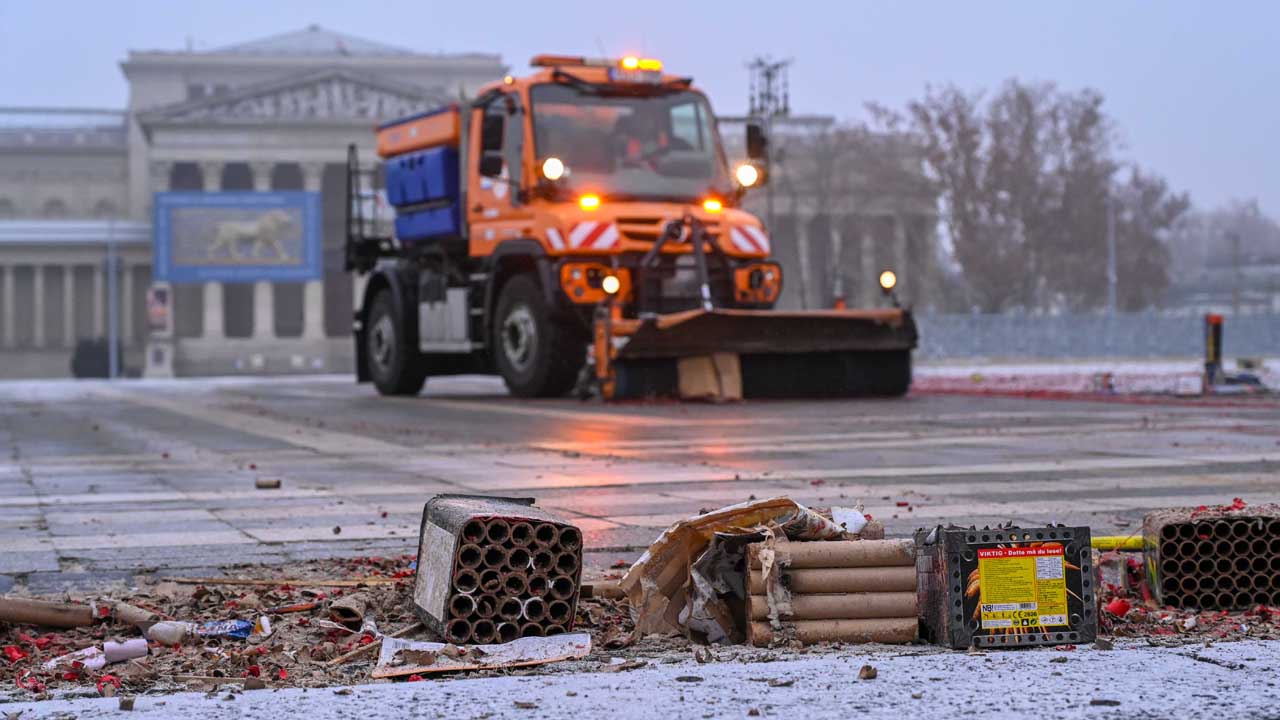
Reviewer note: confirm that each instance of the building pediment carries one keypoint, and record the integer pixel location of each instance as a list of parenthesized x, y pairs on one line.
[(333, 96)]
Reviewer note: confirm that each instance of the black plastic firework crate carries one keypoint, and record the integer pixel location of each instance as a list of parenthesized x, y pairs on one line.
[(1006, 586), (495, 569)]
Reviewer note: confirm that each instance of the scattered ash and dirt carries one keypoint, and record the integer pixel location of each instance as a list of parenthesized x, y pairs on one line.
[(303, 648), (306, 647)]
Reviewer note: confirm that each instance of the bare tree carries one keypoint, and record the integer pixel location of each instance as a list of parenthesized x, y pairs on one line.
[(1026, 178)]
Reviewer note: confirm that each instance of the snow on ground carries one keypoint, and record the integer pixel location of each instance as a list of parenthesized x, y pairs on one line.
[(1125, 376), (1226, 680)]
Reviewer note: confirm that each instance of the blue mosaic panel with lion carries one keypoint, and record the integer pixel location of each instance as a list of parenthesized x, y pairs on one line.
[(237, 236)]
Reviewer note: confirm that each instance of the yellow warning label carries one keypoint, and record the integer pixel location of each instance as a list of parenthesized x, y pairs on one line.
[(1022, 587)]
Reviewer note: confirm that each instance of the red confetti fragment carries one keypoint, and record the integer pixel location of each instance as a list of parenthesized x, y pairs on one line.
[(1118, 607), (44, 642), (253, 466), (1238, 504), (105, 680), (416, 678), (366, 639), (384, 513), (70, 675), (816, 483), (283, 674), (14, 653), (252, 671), (619, 564), (903, 503), (26, 681)]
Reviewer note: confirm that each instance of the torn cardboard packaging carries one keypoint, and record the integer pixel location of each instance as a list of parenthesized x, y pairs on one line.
[(401, 658), (696, 578), (715, 377)]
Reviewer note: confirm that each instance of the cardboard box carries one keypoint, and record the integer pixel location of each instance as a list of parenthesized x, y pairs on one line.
[(715, 377)]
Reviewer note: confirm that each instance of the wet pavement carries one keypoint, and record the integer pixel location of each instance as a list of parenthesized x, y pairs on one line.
[(100, 481)]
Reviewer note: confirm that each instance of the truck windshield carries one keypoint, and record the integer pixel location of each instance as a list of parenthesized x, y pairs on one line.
[(644, 147)]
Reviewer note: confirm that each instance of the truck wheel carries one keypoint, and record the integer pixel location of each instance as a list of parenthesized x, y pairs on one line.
[(394, 364), (537, 355)]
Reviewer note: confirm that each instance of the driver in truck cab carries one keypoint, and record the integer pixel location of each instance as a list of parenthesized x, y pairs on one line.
[(640, 139), (637, 139)]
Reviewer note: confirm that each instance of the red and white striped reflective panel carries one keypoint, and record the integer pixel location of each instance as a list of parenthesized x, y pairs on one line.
[(749, 239), (554, 237), (593, 235)]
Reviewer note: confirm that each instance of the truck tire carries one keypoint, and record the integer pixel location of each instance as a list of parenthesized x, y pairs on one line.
[(394, 363), (536, 354)]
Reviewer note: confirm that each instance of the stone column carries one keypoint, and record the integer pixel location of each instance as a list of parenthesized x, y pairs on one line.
[(7, 304), (837, 258), (99, 303), (37, 305), (68, 306), (126, 304), (213, 311), (211, 173), (802, 252), (264, 300), (264, 311), (313, 291), (160, 171)]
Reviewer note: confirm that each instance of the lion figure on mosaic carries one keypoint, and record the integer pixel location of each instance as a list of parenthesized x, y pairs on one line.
[(261, 234)]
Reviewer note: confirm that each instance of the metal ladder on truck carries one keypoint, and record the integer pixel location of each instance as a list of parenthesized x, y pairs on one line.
[(370, 220)]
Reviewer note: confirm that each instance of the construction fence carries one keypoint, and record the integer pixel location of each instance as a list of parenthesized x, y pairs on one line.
[(1059, 337)]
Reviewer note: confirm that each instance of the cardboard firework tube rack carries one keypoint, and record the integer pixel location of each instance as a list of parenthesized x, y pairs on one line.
[(854, 591), (476, 558), (1221, 558)]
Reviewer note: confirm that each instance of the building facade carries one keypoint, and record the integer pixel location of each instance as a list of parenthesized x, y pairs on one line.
[(271, 114)]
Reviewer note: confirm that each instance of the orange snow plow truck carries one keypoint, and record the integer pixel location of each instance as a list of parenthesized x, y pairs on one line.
[(580, 228)]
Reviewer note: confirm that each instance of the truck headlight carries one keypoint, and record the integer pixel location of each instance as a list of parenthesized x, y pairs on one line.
[(888, 279), (553, 168), (747, 175)]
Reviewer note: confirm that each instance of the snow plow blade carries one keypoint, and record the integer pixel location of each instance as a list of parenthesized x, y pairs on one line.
[(821, 353)]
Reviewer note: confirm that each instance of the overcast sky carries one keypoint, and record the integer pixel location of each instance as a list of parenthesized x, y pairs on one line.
[(1193, 85)]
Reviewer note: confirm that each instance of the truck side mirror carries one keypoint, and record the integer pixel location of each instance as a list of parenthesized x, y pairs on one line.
[(491, 164), (757, 143), (491, 131)]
